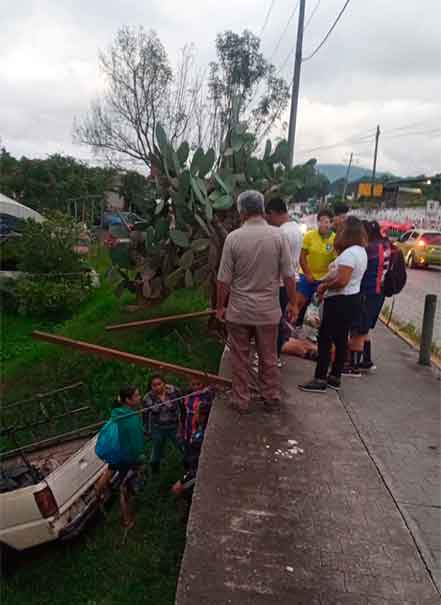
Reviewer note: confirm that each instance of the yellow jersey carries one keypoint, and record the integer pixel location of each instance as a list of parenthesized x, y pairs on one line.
[(320, 252)]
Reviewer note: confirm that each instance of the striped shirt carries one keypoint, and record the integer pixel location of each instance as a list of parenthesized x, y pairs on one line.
[(378, 263)]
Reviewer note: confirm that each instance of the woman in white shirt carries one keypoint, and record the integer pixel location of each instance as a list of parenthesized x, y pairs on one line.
[(341, 292)]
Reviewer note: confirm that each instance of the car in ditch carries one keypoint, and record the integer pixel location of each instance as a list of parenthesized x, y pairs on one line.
[(421, 248), (47, 488)]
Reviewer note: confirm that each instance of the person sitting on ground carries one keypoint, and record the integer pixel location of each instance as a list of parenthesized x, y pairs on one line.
[(341, 292), (316, 255), (372, 299), (161, 416), (121, 444), (277, 215)]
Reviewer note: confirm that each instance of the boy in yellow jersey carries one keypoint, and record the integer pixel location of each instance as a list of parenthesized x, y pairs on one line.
[(316, 255)]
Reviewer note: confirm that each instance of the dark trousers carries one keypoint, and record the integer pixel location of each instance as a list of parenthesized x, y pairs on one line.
[(338, 314), (283, 298)]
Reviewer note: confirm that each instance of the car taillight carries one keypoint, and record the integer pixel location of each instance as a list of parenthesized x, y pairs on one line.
[(421, 243), (46, 502)]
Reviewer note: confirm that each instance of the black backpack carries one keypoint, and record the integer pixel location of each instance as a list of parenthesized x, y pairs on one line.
[(396, 276)]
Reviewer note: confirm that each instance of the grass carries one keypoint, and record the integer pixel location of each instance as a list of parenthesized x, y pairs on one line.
[(96, 569), (409, 329)]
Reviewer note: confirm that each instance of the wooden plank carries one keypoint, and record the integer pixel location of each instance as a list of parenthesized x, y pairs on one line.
[(115, 354), (148, 323)]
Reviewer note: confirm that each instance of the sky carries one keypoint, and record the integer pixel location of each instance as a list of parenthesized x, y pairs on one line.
[(381, 65)]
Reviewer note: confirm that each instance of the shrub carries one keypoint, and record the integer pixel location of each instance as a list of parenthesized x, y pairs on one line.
[(56, 279), (48, 247), (47, 296)]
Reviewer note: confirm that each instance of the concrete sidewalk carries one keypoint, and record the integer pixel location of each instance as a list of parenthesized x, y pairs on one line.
[(312, 522), (398, 415)]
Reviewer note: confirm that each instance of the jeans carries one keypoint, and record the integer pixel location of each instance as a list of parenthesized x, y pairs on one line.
[(239, 337), (283, 298), (339, 313), (160, 436)]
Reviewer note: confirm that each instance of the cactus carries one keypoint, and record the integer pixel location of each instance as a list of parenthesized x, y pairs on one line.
[(182, 243)]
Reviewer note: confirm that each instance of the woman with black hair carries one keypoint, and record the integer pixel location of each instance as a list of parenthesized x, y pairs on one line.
[(121, 444), (161, 418), (372, 299), (341, 292)]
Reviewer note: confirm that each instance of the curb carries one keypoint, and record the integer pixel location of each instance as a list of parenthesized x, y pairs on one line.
[(395, 329)]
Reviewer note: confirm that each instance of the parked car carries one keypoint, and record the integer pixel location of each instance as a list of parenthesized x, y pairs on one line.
[(115, 218), (421, 247), (10, 226)]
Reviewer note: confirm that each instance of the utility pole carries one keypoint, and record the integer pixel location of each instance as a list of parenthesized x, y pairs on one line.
[(348, 169), (374, 167), (296, 85)]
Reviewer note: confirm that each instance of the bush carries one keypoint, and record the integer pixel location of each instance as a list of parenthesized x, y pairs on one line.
[(47, 296), (48, 247), (56, 279)]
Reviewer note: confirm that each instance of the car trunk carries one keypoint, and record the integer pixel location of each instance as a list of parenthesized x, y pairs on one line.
[(17, 472)]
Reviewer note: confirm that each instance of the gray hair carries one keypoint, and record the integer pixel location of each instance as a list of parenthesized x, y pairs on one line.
[(251, 202)]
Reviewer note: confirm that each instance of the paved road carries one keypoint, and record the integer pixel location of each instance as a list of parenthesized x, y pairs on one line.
[(409, 305), (397, 414)]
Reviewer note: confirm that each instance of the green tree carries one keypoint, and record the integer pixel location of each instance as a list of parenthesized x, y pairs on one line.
[(51, 183), (244, 89)]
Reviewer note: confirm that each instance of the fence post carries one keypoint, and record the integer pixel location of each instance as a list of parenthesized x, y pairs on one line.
[(427, 330)]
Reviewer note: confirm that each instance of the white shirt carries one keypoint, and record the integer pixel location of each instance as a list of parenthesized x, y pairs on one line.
[(292, 232), (355, 257)]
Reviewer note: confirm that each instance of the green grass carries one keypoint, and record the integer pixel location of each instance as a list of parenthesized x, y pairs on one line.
[(409, 329), (97, 569)]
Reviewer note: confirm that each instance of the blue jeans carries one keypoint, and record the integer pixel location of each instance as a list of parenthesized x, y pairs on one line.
[(160, 436)]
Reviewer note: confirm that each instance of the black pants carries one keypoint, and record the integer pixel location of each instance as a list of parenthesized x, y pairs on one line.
[(338, 314), (283, 298)]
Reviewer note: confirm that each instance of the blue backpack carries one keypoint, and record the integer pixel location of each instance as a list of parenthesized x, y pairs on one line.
[(108, 446)]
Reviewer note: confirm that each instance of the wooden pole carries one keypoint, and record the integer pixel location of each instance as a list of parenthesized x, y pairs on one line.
[(148, 323), (115, 354)]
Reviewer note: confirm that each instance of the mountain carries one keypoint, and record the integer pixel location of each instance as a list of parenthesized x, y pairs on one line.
[(338, 171)]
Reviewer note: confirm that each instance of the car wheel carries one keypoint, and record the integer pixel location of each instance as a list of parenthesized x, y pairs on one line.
[(411, 262)]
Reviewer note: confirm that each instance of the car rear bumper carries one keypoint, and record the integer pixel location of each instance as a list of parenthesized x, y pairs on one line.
[(428, 259)]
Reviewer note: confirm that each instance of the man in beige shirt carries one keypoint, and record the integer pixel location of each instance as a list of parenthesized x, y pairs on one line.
[(254, 260)]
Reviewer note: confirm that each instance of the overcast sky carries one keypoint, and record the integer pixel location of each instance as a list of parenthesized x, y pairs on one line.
[(381, 65)]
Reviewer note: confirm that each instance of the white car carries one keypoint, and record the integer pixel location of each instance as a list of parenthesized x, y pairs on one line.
[(48, 495)]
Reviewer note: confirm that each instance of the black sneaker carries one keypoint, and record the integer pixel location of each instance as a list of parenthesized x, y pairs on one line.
[(367, 366), (350, 371), (314, 386), (334, 383)]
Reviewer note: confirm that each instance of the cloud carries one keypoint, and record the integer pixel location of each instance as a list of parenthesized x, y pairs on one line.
[(381, 65)]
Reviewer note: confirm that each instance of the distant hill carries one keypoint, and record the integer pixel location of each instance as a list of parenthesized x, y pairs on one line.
[(338, 171)]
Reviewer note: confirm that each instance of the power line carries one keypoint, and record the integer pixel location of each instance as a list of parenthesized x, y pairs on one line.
[(282, 35), (417, 132), (340, 14), (267, 18), (311, 15), (351, 141), (292, 49)]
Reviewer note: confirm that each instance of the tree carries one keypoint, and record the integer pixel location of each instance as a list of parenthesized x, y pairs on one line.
[(142, 91), (51, 183), (243, 89)]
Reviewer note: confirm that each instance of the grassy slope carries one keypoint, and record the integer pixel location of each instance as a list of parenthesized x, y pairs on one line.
[(96, 569)]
